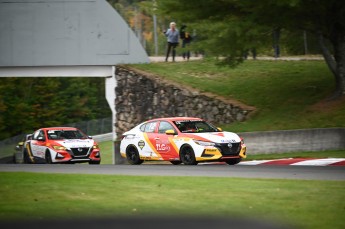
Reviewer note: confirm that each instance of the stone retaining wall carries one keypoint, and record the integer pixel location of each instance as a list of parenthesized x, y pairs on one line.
[(141, 96)]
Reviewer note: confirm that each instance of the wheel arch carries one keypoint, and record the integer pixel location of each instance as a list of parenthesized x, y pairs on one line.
[(48, 151)]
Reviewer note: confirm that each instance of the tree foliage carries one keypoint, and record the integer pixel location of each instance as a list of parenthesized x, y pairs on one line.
[(230, 27), (27, 104)]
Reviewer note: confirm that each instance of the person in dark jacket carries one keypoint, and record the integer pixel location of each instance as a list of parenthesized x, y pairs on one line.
[(186, 39)]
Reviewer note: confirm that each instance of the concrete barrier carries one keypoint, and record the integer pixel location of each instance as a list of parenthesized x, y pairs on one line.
[(320, 139)]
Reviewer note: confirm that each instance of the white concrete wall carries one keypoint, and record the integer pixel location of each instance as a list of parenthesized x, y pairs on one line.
[(294, 140)]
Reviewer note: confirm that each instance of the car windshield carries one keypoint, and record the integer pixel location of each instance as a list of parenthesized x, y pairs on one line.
[(65, 134), (195, 126)]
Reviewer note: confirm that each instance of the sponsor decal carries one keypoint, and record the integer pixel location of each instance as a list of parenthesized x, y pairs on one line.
[(228, 141), (162, 147), (211, 150), (141, 144)]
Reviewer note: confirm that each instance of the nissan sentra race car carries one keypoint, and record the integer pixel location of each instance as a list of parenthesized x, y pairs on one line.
[(61, 145), (179, 140)]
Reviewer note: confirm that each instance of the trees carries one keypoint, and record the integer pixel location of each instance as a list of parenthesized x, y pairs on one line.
[(27, 104), (229, 27)]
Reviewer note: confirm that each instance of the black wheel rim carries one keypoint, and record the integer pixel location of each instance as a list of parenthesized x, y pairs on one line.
[(133, 156), (188, 157)]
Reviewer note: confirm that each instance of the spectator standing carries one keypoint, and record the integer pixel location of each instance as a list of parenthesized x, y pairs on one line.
[(186, 39), (172, 35)]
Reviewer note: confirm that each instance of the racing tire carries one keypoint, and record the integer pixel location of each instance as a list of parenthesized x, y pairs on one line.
[(48, 157), (132, 156), (26, 159), (187, 155), (175, 162), (233, 161), (94, 162)]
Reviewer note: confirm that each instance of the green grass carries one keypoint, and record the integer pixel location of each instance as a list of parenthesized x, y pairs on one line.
[(107, 152), (312, 204), (287, 94)]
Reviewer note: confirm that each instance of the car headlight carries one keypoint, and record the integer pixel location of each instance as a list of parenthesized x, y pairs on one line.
[(95, 147), (59, 147), (203, 143)]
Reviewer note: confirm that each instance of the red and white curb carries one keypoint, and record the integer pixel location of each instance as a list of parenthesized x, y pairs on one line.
[(298, 161)]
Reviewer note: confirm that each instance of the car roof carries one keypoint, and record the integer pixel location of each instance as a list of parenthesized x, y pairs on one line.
[(58, 128), (176, 119)]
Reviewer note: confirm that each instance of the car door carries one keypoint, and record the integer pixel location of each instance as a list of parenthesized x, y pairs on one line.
[(148, 144), (38, 144), (167, 139), (162, 142)]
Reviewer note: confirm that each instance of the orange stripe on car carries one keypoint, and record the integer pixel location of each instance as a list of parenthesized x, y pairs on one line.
[(153, 148), (171, 140)]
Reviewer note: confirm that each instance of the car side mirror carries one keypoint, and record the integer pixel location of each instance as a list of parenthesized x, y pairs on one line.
[(170, 132), (41, 139), (220, 129)]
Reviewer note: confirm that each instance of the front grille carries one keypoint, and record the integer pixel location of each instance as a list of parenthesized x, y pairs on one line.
[(80, 152), (229, 148)]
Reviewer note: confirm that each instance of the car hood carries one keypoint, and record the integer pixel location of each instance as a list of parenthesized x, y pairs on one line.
[(76, 143), (217, 137)]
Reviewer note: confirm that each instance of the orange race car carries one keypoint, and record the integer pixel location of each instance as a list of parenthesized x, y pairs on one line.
[(61, 145), (184, 140)]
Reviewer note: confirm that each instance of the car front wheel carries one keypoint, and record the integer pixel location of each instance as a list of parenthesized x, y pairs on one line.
[(187, 156), (233, 161), (94, 162), (26, 157), (133, 157), (48, 157)]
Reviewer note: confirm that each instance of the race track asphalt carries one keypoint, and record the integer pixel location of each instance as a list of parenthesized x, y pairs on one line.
[(206, 170)]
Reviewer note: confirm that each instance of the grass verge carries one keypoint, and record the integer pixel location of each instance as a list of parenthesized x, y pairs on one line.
[(309, 204)]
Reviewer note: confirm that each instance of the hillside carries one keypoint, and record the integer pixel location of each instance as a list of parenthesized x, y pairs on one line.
[(286, 94)]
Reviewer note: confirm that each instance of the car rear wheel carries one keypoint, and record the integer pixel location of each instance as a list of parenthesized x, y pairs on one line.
[(175, 162), (233, 161), (48, 157), (187, 156), (133, 157)]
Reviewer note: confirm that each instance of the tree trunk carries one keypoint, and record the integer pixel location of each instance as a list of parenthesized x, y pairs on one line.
[(339, 55), (337, 63)]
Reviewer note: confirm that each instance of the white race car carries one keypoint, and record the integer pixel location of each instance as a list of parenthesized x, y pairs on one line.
[(184, 140), (61, 145)]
